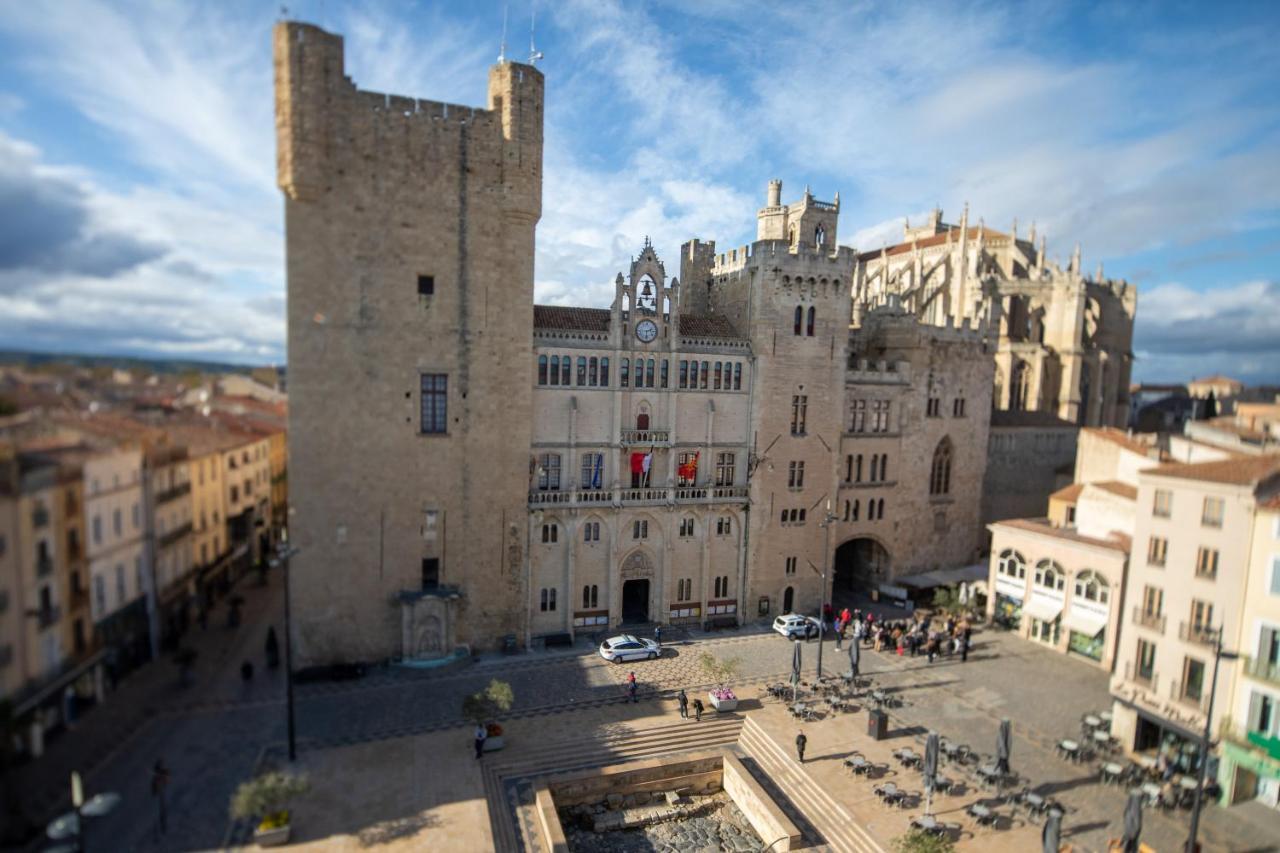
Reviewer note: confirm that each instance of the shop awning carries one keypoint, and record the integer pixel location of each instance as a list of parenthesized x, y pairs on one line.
[(945, 577), (1046, 610), (1085, 622)]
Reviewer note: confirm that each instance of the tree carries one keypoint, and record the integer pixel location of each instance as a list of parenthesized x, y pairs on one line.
[(719, 671), (483, 706), (919, 841), (265, 798), (947, 600)]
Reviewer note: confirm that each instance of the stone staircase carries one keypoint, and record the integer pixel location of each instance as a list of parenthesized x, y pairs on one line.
[(508, 783), (825, 823)]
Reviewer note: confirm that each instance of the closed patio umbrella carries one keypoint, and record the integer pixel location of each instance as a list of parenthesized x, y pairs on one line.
[(1132, 821), (930, 770), (854, 656), (1004, 740), (796, 656), (1051, 835)]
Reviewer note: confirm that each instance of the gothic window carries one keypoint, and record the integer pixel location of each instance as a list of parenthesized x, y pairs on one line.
[(649, 373), (640, 530), (880, 416), (722, 586), (591, 531), (565, 367), (592, 471), (857, 468), (884, 467), (642, 421), (684, 373), (859, 423), (846, 510), (547, 600), (1012, 564), (875, 467), (933, 408), (737, 376), (550, 533), (593, 371), (590, 596), (549, 472), (719, 368), (940, 472), (791, 236), (799, 412), (686, 471), (706, 371), (809, 323), (855, 511), (790, 568), (799, 320), (582, 370), (693, 374), (795, 478), (686, 527), (848, 468), (957, 408), (665, 370), (1019, 386), (604, 372), (724, 469), (819, 236), (625, 372), (724, 526), (542, 370)]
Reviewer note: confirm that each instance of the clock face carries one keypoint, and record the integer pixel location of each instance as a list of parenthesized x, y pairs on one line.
[(646, 330)]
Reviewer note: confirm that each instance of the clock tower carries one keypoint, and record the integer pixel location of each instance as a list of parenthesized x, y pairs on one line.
[(646, 304)]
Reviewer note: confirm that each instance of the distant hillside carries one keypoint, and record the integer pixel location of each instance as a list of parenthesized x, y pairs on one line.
[(156, 365)]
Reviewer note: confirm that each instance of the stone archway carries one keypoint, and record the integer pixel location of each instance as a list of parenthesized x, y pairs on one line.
[(859, 564), (636, 588)]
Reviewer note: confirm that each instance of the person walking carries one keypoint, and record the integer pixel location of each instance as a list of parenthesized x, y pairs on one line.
[(632, 687), (697, 710), (272, 648), (683, 699), (159, 782), (964, 647), (839, 635), (657, 635), (932, 648), (481, 735), (801, 741)]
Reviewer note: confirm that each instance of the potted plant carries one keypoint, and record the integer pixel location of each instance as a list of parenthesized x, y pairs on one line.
[(721, 672), (483, 706), (265, 799)]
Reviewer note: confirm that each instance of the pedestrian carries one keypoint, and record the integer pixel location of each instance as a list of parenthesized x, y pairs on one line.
[(964, 647), (683, 699), (481, 735), (839, 636), (657, 635), (272, 648), (631, 691), (932, 649), (159, 782), (801, 740), (697, 710), (844, 616)]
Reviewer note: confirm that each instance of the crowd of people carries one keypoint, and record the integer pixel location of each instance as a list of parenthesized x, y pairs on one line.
[(926, 634)]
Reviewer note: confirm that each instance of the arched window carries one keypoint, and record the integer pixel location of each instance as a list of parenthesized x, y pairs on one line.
[(788, 599), (542, 370), (857, 468), (625, 372), (1092, 586), (940, 473), (799, 319), (855, 511), (604, 372), (847, 509), (1012, 563), (809, 322), (1019, 387), (649, 373), (555, 370), (1050, 575), (884, 466), (848, 468), (819, 236), (791, 236)]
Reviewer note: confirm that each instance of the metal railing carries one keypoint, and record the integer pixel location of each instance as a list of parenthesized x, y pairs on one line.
[(1191, 632), (176, 492), (1148, 619), (654, 437), (175, 534), (642, 495)]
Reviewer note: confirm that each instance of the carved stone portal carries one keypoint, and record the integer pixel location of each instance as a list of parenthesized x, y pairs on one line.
[(427, 629)]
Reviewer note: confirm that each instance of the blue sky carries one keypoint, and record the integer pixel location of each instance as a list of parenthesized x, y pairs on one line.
[(140, 212)]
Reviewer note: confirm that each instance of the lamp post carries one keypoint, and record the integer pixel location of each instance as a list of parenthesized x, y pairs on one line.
[(826, 560), (284, 552), (1218, 656)]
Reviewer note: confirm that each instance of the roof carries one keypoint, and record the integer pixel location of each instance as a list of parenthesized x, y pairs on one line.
[(1118, 542), (1116, 487), (1122, 439), (953, 231), (1070, 494), (575, 319), (706, 326), (1215, 379), (1236, 471), (1005, 418)]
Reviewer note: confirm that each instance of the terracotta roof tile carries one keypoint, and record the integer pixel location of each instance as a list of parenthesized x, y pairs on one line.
[(571, 319), (1236, 471), (1116, 487), (1119, 437), (706, 326), (932, 240), (1070, 494), (1117, 542)]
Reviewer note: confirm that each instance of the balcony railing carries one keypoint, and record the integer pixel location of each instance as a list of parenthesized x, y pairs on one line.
[(1262, 670), (642, 496), (174, 493), (1200, 703), (651, 437), (1191, 632), (174, 535), (1270, 744), (550, 497), (44, 565), (47, 616), (1132, 673), (1147, 619)]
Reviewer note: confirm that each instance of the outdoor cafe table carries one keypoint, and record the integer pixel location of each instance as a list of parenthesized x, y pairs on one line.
[(1069, 748), (1189, 783), (857, 763), (908, 756), (1102, 738), (981, 813), (1152, 792), (928, 823), (889, 792), (1092, 721), (1111, 772), (1146, 762), (1105, 717)]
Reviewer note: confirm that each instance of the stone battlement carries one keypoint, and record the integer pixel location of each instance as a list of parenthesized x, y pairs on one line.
[(860, 371), (774, 251)]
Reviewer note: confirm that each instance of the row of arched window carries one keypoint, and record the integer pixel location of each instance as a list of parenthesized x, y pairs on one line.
[(879, 470), (1088, 584), (592, 372), (804, 321), (875, 509)]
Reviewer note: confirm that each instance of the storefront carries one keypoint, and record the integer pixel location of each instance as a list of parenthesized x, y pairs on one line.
[(1044, 612), (1086, 625), (1250, 768)]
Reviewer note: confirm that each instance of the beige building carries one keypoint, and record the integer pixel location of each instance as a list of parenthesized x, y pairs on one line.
[(1188, 579), (1250, 765), (1221, 387), (246, 483)]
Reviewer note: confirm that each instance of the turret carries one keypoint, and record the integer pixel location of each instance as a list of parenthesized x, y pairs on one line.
[(515, 94), (774, 198)]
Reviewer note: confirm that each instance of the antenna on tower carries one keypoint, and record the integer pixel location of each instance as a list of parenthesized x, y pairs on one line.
[(534, 53), (502, 54)]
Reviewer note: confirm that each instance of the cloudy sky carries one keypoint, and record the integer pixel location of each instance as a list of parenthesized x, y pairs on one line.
[(139, 213)]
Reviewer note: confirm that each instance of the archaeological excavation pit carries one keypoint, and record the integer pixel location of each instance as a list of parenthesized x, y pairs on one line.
[(703, 801)]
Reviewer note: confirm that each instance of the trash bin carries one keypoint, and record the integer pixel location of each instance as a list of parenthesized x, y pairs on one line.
[(877, 724)]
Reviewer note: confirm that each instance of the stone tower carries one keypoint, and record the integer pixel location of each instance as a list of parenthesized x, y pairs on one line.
[(409, 229)]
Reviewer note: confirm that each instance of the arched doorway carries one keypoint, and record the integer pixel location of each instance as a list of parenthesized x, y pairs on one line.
[(635, 601), (788, 599), (859, 565), (642, 421)]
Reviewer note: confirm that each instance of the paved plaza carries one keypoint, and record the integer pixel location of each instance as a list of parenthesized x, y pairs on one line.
[(391, 760)]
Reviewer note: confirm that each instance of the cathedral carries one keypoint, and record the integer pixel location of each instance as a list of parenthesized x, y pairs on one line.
[(473, 470)]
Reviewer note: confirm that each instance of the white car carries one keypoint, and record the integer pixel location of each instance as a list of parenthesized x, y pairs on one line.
[(626, 647), (793, 626)]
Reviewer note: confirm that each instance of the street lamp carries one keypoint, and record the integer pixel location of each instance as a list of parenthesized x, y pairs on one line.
[(1218, 656), (826, 560), (285, 551)]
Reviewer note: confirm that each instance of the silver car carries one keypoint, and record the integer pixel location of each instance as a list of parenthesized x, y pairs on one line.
[(626, 647)]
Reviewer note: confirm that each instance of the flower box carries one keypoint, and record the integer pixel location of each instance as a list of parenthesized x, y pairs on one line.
[(274, 837), (492, 743), (723, 699)]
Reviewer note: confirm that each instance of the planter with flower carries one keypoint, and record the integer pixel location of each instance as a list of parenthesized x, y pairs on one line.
[(265, 799), (721, 672), (481, 708)]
